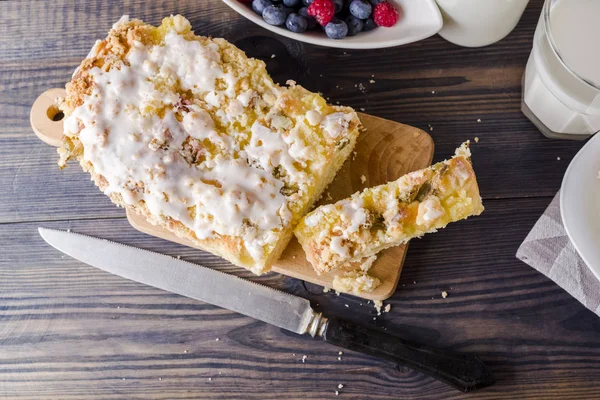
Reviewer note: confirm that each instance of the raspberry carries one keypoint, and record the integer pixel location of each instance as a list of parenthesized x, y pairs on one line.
[(322, 10), (385, 14)]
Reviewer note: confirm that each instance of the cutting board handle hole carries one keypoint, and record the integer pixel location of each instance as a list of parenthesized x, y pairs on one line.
[(54, 113)]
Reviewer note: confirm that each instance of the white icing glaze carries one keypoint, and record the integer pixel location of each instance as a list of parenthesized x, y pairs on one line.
[(246, 97), (313, 219), (353, 212), (429, 210), (335, 123), (337, 246), (313, 117), (353, 216), (143, 156)]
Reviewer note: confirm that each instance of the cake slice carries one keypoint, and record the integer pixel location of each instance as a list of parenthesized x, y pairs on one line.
[(335, 235), (195, 136)]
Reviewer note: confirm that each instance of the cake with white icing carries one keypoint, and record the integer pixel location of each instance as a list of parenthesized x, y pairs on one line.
[(337, 236), (189, 132)]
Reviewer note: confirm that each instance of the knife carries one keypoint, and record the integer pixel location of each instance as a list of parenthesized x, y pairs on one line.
[(463, 371)]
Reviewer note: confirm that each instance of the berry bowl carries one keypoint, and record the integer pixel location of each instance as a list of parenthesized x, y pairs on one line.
[(418, 19)]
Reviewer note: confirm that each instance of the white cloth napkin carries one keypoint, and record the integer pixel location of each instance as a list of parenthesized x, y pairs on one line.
[(548, 249)]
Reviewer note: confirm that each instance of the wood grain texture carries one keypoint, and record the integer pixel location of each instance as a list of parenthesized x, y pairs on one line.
[(68, 331)]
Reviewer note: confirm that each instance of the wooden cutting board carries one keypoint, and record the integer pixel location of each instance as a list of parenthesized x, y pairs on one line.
[(384, 152)]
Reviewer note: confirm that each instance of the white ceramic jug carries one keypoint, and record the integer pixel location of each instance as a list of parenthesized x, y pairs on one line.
[(476, 23)]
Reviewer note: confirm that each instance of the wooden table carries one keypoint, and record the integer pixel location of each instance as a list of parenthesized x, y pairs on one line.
[(68, 331)]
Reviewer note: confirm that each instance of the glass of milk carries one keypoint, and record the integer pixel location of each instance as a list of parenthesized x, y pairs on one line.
[(476, 23), (561, 84)]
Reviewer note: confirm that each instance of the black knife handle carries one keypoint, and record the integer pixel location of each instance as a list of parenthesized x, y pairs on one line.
[(463, 371)]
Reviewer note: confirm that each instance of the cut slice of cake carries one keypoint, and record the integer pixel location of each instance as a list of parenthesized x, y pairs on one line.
[(420, 202), (189, 132)]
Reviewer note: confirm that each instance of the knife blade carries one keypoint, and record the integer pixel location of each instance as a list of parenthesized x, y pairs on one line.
[(462, 371), (187, 279)]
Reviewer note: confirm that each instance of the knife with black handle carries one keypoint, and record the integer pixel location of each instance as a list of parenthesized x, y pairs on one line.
[(463, 371)]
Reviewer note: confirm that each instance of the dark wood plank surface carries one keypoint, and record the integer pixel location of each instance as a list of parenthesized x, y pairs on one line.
[(68, 331)]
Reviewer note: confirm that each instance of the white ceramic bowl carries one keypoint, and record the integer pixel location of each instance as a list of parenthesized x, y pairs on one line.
[(421, 19), (580, 203)]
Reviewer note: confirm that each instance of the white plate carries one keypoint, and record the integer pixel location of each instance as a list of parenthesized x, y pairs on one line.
[(580, 203), (421, 19)]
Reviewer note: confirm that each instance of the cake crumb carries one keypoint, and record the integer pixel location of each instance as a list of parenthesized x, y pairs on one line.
[(478, 119), (433, 92), (304, 357), (326, 289), (341, 353), (414, 282), (69, 230), (294, 257), (339, 358), (210, 379), (557, 158), (387, 308), (273, 55), (476, 139), (444, 294), (185, 352), (354, 155), (160, 379), (362, 109), (346, 305), (179, 257), (337, 393), (363, 179), (340, 386), (378, 304), (217, 339), (371, 80)]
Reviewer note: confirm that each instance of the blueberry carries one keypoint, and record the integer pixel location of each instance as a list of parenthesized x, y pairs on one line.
[(360, 9), (259, 5), (312, 23), (307, 2), (296, 23), (339, 4), (291, 3), (274, 15), (369, 25), (355, 25), (336, 29)]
